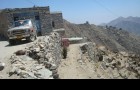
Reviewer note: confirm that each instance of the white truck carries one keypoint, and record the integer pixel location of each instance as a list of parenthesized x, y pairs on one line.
[(22, 29)]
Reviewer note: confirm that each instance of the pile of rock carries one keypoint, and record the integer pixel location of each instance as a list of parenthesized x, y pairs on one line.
[(39, 60), (113, 65), (120, 65)]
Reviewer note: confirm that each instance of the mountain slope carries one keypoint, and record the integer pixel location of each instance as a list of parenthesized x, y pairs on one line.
[(113, 39), (130, 24)]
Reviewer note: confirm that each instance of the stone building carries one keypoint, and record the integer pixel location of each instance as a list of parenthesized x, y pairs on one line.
[(45, 20)]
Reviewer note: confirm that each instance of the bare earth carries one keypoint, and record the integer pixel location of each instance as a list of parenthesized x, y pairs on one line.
[(76, 66), (5, 52)]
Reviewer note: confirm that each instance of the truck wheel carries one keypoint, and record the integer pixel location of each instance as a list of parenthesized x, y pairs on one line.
[(35, 37), (11, 42), (31, 38)]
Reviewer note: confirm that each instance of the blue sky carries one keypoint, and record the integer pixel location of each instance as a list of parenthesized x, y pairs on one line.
[(80, 11)]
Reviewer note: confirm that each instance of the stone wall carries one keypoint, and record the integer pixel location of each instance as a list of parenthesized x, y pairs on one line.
[(46, 25), (3, 25), (90, 49), (57, 20), (42, 12), (48, 21), (18, 10), (39, 60)]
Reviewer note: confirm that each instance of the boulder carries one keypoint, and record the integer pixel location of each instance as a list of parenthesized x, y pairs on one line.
[(107, 59), (54, 71), (2, 65), (132, 76), (31, 76), (41, 60), (116, 73), (44, 74), (47, 65), (51, 45), (26, 58), (37, 50), (56, 76), (125, 54), (48, 55), (53, 67), (100, 57), (103, 65), (84, 48), (20, 52), (41, 45), (12, 71), (51, 60), (39, 67), (124, 73)]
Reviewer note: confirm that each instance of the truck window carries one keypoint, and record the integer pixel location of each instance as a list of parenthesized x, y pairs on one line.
[(21, 23)]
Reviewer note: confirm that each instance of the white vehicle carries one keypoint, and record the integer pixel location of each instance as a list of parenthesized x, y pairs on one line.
[(22, 29)]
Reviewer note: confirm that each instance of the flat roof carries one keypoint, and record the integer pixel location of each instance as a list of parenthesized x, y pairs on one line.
[(56, 12), (27, 8)]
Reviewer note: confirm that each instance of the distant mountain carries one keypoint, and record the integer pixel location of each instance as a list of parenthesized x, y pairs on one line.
[(103, 24), (130, 24), (112, 38)]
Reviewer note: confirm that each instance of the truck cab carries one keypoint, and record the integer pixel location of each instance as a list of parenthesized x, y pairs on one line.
[(22, 29)]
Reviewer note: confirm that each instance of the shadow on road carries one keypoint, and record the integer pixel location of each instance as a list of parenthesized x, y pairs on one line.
[(1, 68), (18, 43), (3, 39)]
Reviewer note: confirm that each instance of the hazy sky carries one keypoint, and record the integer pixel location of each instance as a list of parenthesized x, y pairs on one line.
[(80, 11)]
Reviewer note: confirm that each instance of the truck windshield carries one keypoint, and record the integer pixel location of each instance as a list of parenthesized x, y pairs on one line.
[(21, 23)]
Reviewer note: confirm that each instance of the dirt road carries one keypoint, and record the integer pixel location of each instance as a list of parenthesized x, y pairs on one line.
[(76, 66), (5, 52)]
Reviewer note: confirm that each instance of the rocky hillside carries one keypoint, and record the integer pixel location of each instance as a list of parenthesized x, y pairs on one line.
[(42, 59), (112, 38), (130, 24), (87, 61), (108, 65)]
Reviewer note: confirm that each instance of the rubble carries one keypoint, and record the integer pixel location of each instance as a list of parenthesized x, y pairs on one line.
[(125, 66), (39, 60), (114, 65)]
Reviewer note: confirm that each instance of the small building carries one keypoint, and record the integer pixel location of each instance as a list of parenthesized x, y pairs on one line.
[(45, 20)]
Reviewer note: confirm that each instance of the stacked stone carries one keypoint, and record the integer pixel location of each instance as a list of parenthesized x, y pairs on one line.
[(90, 49), (57, 19), (46, 24), (40, 60)]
